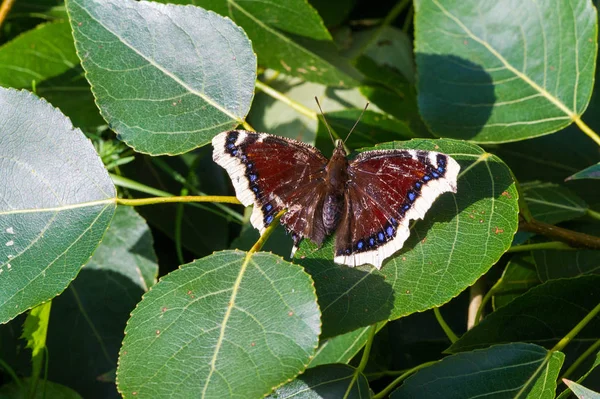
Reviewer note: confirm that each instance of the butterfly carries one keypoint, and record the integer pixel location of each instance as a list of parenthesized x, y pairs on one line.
[(367, 201)]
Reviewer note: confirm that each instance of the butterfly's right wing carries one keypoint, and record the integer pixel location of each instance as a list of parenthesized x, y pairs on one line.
[(274, 173)]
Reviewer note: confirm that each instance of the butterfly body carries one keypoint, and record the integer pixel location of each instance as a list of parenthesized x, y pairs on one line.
[(367, 201)]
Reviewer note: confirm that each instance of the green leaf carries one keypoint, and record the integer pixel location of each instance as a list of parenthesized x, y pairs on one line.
[(35, 330), (555, 264), (39, 54), (341, 349), (401, 103), (46, 389), (327, 381), (229, 324), (493, 74), (288, 36), (552, 203), (80, 108), (56, 203), (584, 378), (544, 315), (88, 319), (430, 270), (549, 158), (392, 51), (333, 13), (519, 276), (593, 172), (503, 371), (580, 391), (158, 101)]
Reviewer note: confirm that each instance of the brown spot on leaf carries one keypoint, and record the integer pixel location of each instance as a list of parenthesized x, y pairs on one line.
[(285, 66), (498, 230), (290, 313)]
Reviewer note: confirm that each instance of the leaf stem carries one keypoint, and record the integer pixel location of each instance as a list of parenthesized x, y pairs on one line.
[(387, 390), (571, 334), (573, 238), (476, 298), (178, 222), (449, 333), (364, 359), (286, 100), (591, 350), (247, 126), (266, 234), (486, 299), (389, 18), (124, 182), (12, 374), (5, 9), (593, 214), (586, 129), (183, 198), (541, 245)]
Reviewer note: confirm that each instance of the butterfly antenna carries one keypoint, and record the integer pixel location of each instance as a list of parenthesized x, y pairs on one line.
[(356, 123), (325, 120)]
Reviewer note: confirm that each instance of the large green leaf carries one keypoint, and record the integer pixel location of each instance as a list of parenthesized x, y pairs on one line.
[(328, 381), (230, 324), (56, 202), (503, 371), (580, 391), (585, 378), (593, 172), (508, 71), (288, 36), (519, 276), (41, 53), (157, 100), (552, 203), (543, 315), (430, 270), (340, 349), (88, 319), (554, 264)]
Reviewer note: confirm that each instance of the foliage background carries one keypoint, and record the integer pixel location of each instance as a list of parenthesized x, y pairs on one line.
[(501, 85)]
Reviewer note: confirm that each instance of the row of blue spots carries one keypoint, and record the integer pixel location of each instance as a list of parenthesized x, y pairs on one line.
[(389, 231), (235, 151), (267, 211)]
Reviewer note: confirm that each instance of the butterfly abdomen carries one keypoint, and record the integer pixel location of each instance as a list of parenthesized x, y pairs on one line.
[(332, 210)]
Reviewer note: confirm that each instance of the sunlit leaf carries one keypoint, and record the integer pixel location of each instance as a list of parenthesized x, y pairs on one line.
[(56, 202)]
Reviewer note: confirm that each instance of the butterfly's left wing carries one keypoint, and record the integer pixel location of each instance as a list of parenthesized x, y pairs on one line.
[(274, 173), (386, 190)]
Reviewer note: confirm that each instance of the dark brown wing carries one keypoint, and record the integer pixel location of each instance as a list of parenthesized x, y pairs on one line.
[(274, 173), (386, 190)]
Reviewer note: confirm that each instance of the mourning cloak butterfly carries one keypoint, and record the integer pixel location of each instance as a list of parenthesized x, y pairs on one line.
[(368, 201)]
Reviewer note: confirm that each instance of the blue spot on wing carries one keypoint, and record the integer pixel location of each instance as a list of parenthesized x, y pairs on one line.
[(389, 231)]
